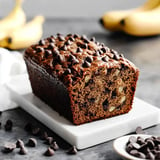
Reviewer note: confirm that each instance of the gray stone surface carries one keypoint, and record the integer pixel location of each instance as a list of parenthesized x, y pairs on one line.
[(144, 52)]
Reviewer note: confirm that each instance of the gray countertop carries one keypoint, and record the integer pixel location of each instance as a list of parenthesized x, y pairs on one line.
[(144, 52)]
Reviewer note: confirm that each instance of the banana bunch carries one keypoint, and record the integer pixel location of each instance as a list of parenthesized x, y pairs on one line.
[(15, 33), (141, 21)]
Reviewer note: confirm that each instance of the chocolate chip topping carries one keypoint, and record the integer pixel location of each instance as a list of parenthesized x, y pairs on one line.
[(54, 146), (61, 53), (19, 143), (23, 150)]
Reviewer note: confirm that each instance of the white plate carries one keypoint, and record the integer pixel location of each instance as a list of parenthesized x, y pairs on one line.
[(120, 144), (85, 135)]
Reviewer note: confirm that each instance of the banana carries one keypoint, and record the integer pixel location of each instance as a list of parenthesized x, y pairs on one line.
[(15, 19), (25, 36), (143, 23), (111, 20)]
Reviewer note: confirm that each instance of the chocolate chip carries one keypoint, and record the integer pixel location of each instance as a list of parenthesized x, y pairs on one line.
[(114, 94), (35, 131), (48, 52), (86, 40), (105, 59), (49, 140), (67, 71), (52, 40), (99, 51), (103, 50), (51, 46), (23, 150), (28, 127), (83, 37), (84, 46), (49, 152), (93, 39), (105, 105), (106, 91), (69, 35), (139, 130), (115, 54), (61, 38), (75, 35), (132, 139), (71, 39), (89, 59), (55, 52), (40, 49), (102, 44), (54, 146), (42, 42), (92, 100), (121, 55), (63, 48), (72, 150), (8, 126), (150, 144), (86, 64), (150, 156), (140, 140), (79, 50), (74, 61), (19, 143), (32, 142), (43, 135), (8, 147), (68, 42), (96, 53)]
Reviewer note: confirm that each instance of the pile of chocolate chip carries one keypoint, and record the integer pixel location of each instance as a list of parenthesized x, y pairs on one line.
[(32, 142), (145, 148)]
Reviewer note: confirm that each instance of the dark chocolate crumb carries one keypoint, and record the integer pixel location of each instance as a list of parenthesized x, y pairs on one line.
[(105, 105), (8, 147), (49, 152), (32, 142), (23, 150), (139, 130), (54, 146), (49, 140), (72, 150), (8, 126), (19, 143)]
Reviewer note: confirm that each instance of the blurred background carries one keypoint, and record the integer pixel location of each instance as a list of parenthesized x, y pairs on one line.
[(69, 8)]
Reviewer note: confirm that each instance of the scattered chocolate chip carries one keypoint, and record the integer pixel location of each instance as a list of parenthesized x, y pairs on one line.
[(32, 142), (67, 71), (69, 35), (52, 40), (100, 52), (102, 44), (86, 64), (96, 53), (28, 127), (79, 50), (8, 147), (55, 52), (42, 42), (54, 146), (105, 105), (105, 59), (49, 140), (74, 61), (121, 55), (44, 135), (86, 40), (19, 143), (139, 130), (63, 48), (89, 59), (8, 126), (114, 94), (115, 54), (49, 152), (107, 91), (84, 46), (72, 150), (92, 100), (93, 39), (23, 150)]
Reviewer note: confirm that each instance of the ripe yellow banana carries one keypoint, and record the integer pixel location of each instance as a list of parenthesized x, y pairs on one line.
[(111, 20), (25, 36), (15, 19), (143, 23)]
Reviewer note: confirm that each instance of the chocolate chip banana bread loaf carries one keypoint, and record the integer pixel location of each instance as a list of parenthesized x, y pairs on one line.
[(81, 79)]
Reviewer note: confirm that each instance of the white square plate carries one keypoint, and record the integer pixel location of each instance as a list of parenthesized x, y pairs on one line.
[(85, 135)]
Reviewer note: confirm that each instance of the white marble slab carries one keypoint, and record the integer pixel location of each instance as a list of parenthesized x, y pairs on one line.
[(86, 135)]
